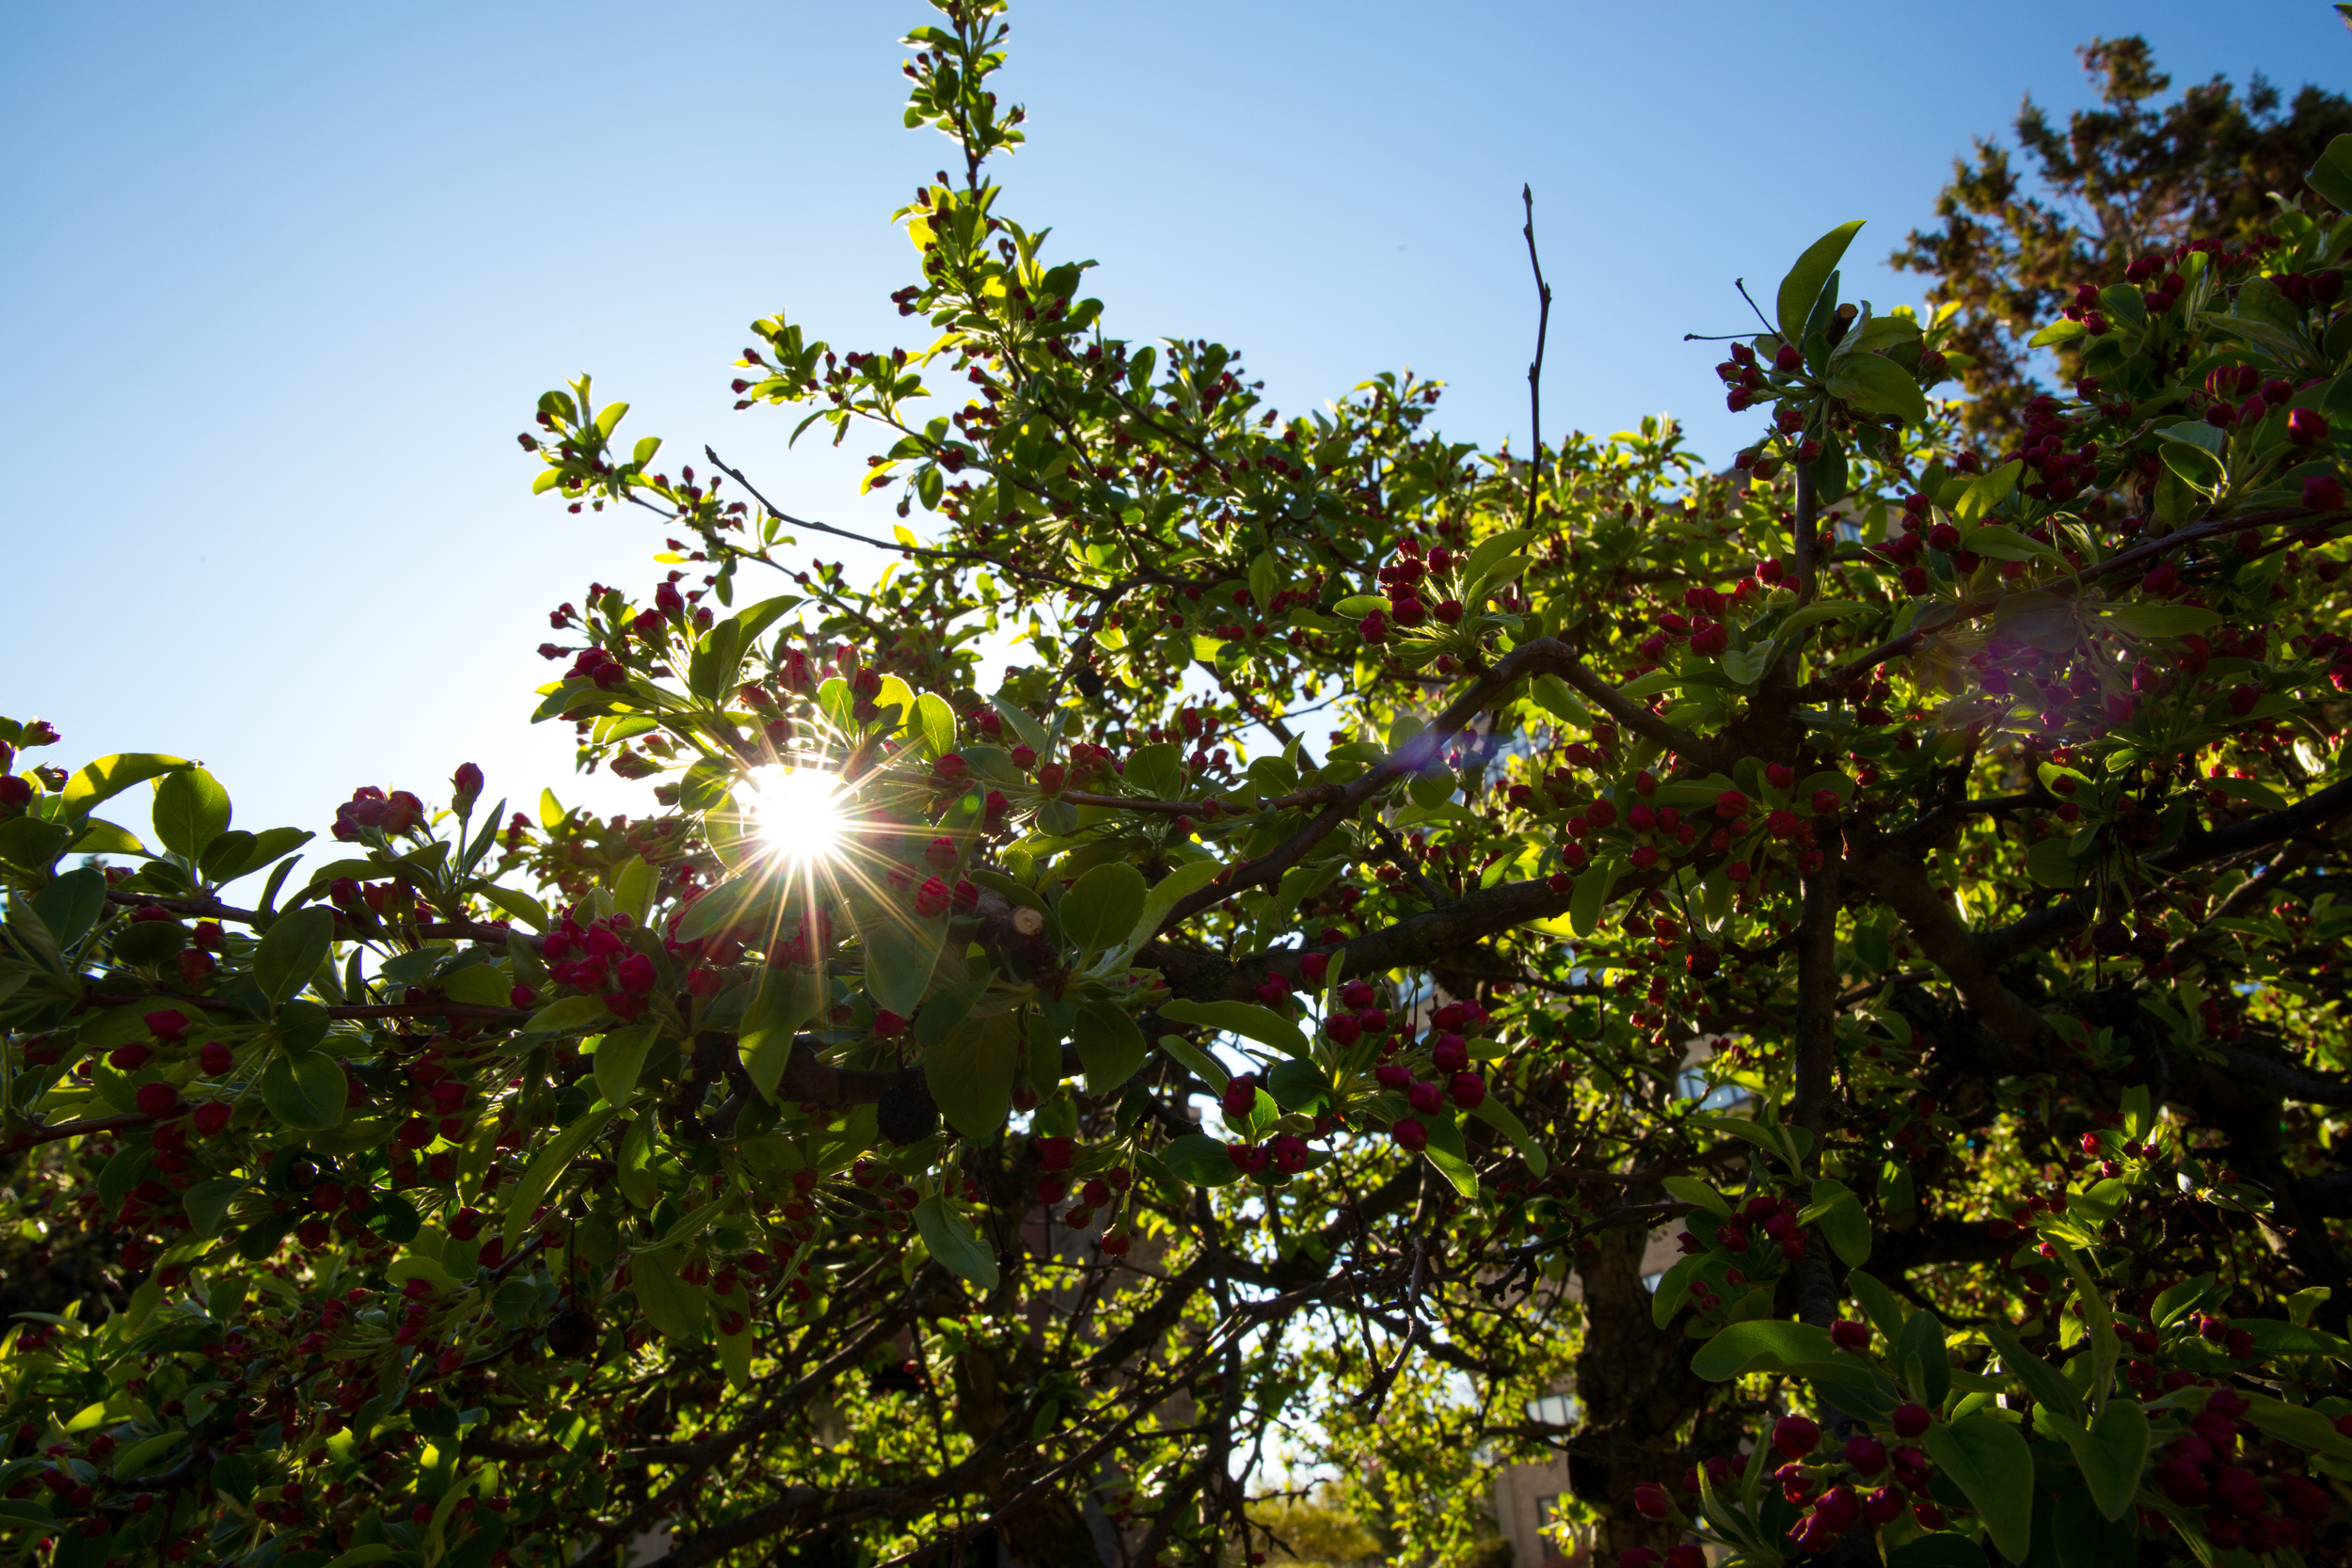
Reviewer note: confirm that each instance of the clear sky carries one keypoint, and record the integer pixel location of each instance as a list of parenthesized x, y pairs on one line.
[(278, 283)]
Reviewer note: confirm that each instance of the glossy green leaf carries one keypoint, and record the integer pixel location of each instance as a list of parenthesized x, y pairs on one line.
[(1987, 1459), (545, 1168), (1246, 1018), (1763, 1344), (2111, 1450), (291, 950), (619, 1057), (1111, 1047), (306, 1093), (191, 810), (949, 1236), (970, 1074), (1877, 384), (681, 1311), (1802, 287), (109, 777), (1101, 908), (2045, 1383)]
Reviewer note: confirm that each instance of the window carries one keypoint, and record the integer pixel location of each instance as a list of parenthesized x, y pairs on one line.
[(1557, 1410)]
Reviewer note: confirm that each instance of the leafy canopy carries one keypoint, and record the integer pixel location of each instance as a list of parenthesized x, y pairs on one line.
[(948, 1117)]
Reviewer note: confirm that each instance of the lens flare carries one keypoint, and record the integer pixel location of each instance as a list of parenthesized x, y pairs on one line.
[(799, 811)]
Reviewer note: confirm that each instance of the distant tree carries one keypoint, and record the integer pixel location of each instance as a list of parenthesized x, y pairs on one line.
[(2121, 183)]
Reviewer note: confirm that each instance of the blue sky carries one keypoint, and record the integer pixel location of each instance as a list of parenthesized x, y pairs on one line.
[(280, 282)]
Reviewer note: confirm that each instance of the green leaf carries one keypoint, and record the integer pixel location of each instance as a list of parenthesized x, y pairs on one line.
[(2045, 1383), (2193, 465), (678, 1309), (2277, 1336), (306, 1093), (1775, 1141), (540, 1175), (564, 1016), (207, 1201), (2059, 331), (291, 951), (102, 837), (110, 776), (191, 810), (1925, 1363), (1246, 1018), (1690, 1189), (1590, 895), (1201, 1160), (938, 723), (1878, 385), (2111, 1451), (900, 955), (783, 1001), (71, 904), (2002, 543), (2331, 177), (1555, 697), (1265, 580), (620, 1056), (970, 1074), (1842, 1222), (1297, 1085), (1801, 287), (1110, 1045), (2048, 863), (1987, 491), (1199, 1062), (1101, 909), (1188, 878), (1499, 1116), (953, 1244), (1493, 550), (1812, 614), (1356, 606), (2098, 1323), (2298, 1424), (1987, 1459), (1762, 1344), (633, 889), (141, 1457), (2146, 620), (1448, 1152)]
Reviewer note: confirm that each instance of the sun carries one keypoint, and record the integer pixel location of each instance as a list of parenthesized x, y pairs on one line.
[(799, 811)]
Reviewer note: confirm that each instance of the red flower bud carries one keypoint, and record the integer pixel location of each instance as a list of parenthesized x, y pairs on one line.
[(1796, 1436), (160, 1101)]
